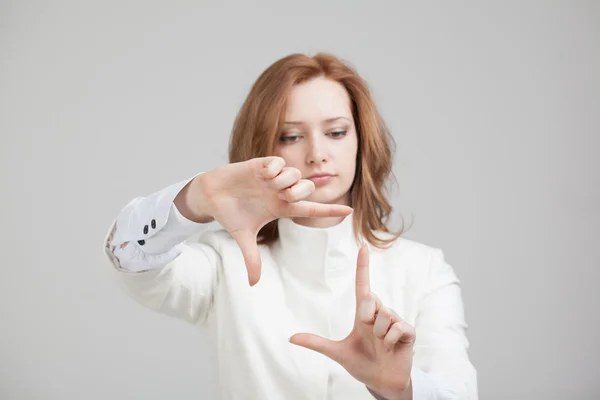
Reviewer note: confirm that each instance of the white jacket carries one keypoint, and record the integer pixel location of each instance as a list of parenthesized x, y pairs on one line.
[(306, 285)]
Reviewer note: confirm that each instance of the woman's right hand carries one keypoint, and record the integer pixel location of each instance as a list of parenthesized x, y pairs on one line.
[(245, 196)]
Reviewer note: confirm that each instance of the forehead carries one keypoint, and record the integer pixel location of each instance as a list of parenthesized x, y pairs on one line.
[(317, 99)]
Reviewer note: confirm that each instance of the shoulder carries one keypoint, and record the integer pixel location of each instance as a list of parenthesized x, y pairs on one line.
[(405, 248), (413, 257)]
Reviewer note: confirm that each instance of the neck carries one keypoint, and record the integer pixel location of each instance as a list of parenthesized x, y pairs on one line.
[(319, 255)]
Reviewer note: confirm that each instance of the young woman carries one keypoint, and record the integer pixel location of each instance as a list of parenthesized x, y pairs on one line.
[(305, 292)]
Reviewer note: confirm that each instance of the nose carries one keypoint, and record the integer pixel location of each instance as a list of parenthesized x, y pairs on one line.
[(317, 153)]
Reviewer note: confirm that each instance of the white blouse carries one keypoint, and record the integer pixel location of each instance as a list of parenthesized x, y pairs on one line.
[(306, 285)]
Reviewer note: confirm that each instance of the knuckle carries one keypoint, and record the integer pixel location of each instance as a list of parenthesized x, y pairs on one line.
[(399, 326), (297, 174), (310, 186), (280, 163), (290, 196), (289, 175), (391, 337)]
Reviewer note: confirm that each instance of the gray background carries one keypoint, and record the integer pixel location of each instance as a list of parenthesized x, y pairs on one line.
[(495, 108)]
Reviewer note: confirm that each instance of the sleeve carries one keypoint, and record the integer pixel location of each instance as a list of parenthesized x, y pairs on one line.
[(157, 267), (441, 366), (153, 226)]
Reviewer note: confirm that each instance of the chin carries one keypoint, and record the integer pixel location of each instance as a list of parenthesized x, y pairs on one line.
[(327, 196)]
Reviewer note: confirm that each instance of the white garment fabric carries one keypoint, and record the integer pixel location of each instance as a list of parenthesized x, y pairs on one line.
[(306, 285)]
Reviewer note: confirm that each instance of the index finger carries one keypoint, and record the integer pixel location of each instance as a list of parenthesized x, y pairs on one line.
[(246, 240), (363, 284)]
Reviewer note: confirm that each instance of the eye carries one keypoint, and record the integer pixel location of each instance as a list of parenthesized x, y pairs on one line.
[(289, 138), (337, 134)]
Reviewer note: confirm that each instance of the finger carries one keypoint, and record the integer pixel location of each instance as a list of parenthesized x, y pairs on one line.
[(329, 348), (409, 335), (246, 240), (298, 191), (363, 285), (382, 323), (309, 209), (272, 166), (369, 309), (395, 316), (399, 332), (393, 335), (286, 178), (259, 165)]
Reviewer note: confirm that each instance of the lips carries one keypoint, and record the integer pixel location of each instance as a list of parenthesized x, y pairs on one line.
[(320, 175), (321, 178)]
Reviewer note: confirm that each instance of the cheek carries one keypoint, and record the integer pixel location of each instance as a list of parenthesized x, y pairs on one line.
[(290, 156), (280, 151), (348, 157), (350, 169)]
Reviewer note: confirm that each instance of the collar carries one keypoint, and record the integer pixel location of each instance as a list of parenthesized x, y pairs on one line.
[(317, 255)]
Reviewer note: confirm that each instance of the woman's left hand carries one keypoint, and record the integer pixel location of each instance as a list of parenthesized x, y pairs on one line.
[(379, 350)]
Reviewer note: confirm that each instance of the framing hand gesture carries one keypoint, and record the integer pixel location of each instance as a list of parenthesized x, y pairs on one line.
[(245, 196), (379, 350)]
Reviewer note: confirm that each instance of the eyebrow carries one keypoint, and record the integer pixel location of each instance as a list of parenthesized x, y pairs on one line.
[(328, 120)]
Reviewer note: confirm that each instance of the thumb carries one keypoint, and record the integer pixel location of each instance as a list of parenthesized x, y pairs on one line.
[(329, 348), (246, 240)]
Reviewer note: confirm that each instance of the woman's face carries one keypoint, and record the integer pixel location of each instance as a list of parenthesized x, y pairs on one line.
[(319, 138)]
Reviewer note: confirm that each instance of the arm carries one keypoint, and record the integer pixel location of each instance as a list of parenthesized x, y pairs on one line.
[(152, 262), (160, 271), (441, 365)]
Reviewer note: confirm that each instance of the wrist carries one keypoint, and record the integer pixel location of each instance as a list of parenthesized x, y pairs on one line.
[(192, 201), (404, 393)]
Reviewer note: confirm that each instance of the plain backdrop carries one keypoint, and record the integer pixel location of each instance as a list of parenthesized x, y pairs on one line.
[(494, 106)]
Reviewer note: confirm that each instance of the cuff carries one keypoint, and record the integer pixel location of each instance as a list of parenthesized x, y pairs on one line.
[(176, 230), (423, 386), (431, 386), (154, 221)]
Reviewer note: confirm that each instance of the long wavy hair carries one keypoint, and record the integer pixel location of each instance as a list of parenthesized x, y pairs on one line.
[(260, 120)]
